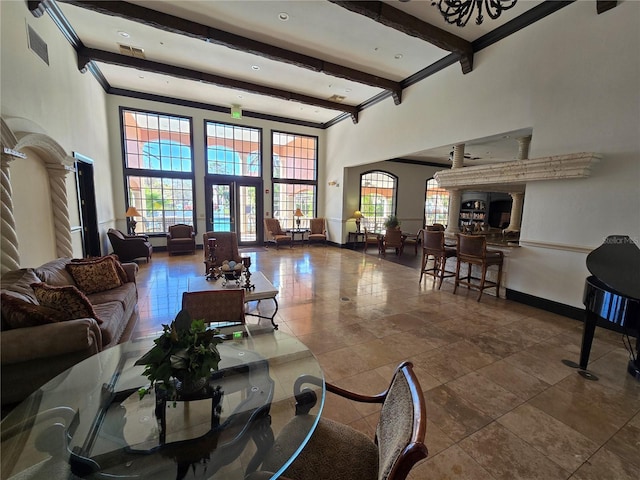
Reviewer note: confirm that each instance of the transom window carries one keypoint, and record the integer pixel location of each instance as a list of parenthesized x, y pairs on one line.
[(294, 172), (436, 205), (158, 168), (233, 150), (378, 192)]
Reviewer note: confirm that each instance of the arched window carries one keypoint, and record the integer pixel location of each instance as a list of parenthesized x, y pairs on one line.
[(436, 204), (378, 191)]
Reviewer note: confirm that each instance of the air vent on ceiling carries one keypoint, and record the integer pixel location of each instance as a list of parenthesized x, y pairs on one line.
[(337, 98), (37, 45), (136, 52)]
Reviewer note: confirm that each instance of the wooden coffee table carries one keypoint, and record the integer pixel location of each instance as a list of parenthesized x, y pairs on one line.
[(264, 290)]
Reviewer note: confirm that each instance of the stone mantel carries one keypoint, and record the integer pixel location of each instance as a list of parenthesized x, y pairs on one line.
[(518, 173)]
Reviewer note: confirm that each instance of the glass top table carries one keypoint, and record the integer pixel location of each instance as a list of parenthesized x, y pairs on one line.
[(90, 421)]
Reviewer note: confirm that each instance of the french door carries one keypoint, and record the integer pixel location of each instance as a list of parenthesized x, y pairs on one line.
[(235, 206)]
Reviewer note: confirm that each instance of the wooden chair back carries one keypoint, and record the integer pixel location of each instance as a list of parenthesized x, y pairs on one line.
[(215, 306)]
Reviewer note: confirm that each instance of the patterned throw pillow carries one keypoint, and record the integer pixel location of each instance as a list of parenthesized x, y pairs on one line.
[(67, 299), (122, 273), (95, 276), (16, 313)]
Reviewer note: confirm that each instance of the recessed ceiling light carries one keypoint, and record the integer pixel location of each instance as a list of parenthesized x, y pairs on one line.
[(398, 56), (123, 34), (283, 16), (255, 67), (140, 76), (348, 90)]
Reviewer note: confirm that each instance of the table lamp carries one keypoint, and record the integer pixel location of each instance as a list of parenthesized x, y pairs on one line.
[(298, 213), (357, 215), (132, 212)]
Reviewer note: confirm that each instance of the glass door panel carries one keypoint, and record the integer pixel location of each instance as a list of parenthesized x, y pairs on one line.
[(234, 207)]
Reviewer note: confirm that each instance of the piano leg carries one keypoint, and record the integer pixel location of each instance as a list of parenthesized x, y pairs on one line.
[(587, 338)]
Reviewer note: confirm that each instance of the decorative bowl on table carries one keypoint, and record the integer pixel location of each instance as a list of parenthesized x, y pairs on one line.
[(231, 271)]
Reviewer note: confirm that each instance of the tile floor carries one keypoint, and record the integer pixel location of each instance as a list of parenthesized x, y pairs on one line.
[(500, 404)]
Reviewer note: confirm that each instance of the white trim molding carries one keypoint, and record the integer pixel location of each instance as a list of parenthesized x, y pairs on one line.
[(519, 172)]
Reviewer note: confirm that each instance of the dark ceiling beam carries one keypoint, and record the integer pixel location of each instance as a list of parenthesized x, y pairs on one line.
[(180, 26), (86, 55), (604, 5), (397, 19)]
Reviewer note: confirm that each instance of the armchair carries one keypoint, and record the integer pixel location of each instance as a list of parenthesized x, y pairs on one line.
[(318, 231), (221, 307), (181, 239), (226, 248), (274, 233), (129, 247)]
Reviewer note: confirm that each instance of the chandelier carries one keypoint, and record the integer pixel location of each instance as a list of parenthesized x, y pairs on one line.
[(459, 12)]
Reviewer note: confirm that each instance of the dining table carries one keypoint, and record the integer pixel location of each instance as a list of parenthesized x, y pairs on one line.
[(92, 422)]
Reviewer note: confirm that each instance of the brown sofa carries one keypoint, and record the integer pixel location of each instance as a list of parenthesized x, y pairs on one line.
[(130, 247), (31, 355)]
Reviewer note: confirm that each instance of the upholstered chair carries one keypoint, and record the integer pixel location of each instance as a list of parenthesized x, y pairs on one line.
[(371, 238), (130, 247), (414, 240), (274, 233), (220, 307), (226, 248), (181, 239), (340, 452), (472, 250), (317, 230)]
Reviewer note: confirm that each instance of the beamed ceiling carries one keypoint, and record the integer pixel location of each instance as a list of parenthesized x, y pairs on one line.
[(307, 62)]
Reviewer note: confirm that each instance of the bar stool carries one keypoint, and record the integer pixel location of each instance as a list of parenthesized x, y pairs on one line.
[(433, 246), (472, 249)]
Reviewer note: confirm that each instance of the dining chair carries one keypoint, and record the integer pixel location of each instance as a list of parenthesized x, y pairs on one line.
[(472, 250), (216, 306), (340, 452), (414, 240), (393, 238), (371, 238), (434, 246)]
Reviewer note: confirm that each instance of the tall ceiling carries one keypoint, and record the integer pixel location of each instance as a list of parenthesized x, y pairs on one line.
[(310, 62)]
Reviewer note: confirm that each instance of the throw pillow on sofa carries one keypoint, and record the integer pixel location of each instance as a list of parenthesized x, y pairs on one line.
[(67, 299), (18, 313), (95, 276), (116, 263)]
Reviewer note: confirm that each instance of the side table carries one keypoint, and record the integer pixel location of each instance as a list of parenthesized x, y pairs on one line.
[(354, 238), (298, 231)]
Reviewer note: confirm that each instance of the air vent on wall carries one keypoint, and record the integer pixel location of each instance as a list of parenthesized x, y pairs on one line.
[(136, 52), (37, 45)]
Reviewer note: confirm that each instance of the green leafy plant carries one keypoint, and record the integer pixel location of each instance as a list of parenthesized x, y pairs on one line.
[(186, 350), (391, 222)]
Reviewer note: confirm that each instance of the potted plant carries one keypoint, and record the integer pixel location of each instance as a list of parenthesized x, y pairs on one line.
[(392, 222), (183, 357)]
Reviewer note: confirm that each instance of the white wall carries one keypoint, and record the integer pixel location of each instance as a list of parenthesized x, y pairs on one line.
[(573, 78), (62, 103)]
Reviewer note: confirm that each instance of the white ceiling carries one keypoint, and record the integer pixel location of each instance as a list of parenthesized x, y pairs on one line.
[(316, 28)]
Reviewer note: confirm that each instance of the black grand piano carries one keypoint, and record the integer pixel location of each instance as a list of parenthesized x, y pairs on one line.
[(612, 294)]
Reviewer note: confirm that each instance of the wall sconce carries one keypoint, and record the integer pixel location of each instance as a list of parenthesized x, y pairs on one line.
[(333, 183)]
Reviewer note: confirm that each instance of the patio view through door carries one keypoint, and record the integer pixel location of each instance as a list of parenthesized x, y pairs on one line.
[(233, 207)]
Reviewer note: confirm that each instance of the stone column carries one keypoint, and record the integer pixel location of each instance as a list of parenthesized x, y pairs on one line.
[(523, 147), (455, 195), (516, 212), (9, 255), (518, 198), (59, 204)]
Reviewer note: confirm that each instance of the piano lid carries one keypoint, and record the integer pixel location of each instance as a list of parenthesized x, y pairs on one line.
[(616, 263)]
